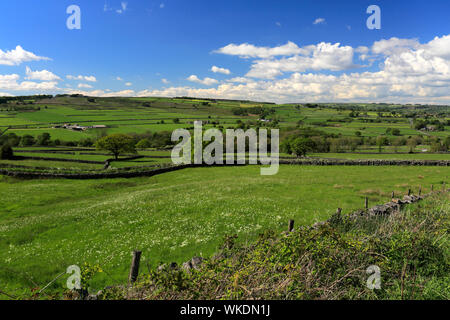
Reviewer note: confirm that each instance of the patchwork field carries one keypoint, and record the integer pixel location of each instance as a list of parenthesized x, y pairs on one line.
[(47, 225), (135, 115), (387, 156)]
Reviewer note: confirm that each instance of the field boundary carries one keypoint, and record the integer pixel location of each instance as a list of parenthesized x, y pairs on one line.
[(104, 174), (366, 162), (92, 175), (59, 159)]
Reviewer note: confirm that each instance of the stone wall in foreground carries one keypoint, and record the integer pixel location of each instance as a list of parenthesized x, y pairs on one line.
[(102, 174)]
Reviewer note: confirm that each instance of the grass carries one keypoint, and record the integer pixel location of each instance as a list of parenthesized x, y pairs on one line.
[(51, 164), (128, 115), (403, 156), (47, 225), (139, 162), (62, 134), (93, 157), (409, 249)]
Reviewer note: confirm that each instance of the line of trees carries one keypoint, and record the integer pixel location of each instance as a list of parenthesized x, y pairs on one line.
[(261, 111), (115, 143), (23, 98), (299, 141), (306, 140), (146, 140)]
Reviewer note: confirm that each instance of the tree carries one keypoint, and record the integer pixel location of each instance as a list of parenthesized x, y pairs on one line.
[(412, 143), (286, 146), (27, 140), (43, 139), (437, 146), (116, 144), (6, 152), (12, 139), (398, 142), (395, 132), (301, 146), (447, 143), (382, 141), (86, 142), (144, 144)]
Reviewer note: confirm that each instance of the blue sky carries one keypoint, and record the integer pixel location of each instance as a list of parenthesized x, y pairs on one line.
[(169, 47)]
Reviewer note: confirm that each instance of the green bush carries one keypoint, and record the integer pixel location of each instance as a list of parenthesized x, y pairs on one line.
[(144, 144), (6, 152)]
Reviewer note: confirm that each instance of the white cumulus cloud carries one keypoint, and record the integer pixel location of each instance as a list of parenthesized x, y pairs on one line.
[(84, 85), (82, 78), (408, 72), (206, 81), (103, 93), (17, 56), (43, 75), (11, 82), (319, 21), (394, 45), (216, 69), (418, 73), (251, 51), (323, 56)]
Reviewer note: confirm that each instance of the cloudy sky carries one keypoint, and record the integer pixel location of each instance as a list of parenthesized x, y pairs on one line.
[(280, 51)]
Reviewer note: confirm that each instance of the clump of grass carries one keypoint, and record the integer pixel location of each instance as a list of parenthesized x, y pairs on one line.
[(374, 192)]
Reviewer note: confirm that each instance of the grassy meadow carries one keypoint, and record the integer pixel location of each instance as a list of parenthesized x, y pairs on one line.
[(47, 225), (137, 115), (328, 262)]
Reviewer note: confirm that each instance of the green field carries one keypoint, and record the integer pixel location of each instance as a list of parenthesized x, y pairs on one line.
[(392, 156), (47, 225), (135, 115)]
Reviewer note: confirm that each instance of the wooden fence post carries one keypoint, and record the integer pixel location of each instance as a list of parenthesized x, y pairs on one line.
[(393, 195), (420, 190), (366, 203), (431, 188), (291, 225), (134, 270), (409, 192)]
